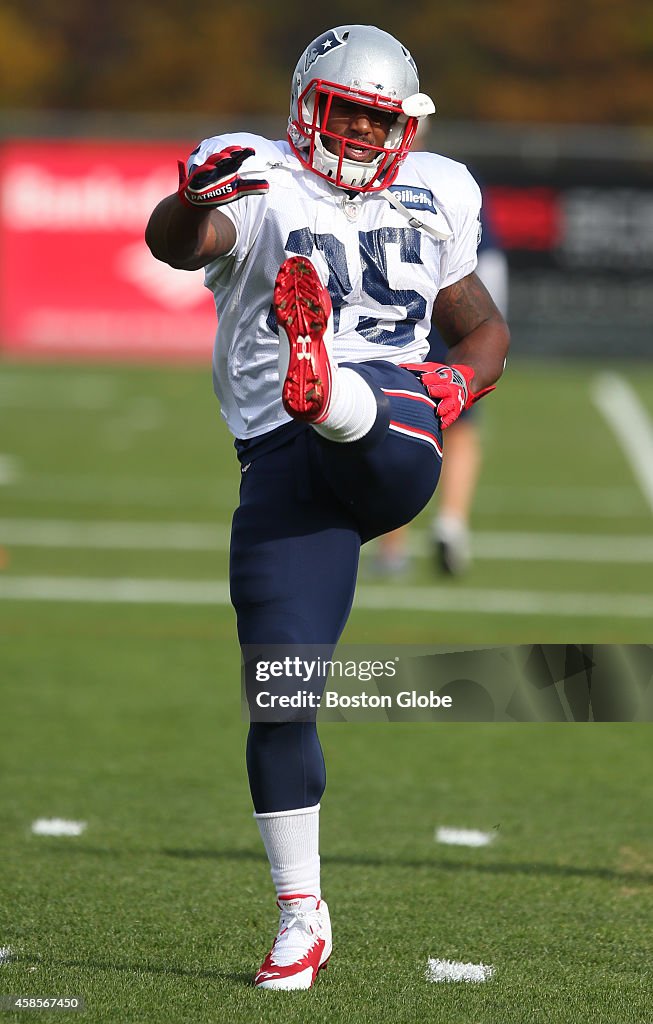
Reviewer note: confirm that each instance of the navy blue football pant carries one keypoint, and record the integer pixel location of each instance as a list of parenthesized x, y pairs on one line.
[(306, 506)]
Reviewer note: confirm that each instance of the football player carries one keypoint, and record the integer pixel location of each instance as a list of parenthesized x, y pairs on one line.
[(327, 253)]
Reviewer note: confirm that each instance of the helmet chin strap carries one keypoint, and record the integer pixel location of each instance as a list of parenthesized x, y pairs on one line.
[(442, 234)]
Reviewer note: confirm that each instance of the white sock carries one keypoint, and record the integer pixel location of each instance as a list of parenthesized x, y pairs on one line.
[(352, 411), (450, 528), (291, 840)]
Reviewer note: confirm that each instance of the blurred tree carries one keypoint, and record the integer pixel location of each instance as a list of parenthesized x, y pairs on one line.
[(590, 61), (30, 59)]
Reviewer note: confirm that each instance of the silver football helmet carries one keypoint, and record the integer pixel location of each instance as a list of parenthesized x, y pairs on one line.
[(366, 67)]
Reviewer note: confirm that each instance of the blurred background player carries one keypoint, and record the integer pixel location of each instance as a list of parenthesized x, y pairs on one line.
[(450, 527)]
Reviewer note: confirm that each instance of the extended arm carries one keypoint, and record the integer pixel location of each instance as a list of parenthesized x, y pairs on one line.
[(188, 237), (186, 229)]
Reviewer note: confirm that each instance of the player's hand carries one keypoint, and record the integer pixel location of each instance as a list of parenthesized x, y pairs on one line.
[(216, 182), (450, 386)]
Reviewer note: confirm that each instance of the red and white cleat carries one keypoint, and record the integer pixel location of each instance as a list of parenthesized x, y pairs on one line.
[(304, 315), (302, 946)]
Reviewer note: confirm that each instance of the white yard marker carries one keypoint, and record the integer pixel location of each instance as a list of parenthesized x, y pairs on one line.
[(112, 535), (372, 598), (464, 837), (455, 970), (8, 470), (623, 411), (504, 602), (184, 536), (114, 591), (562, 547), (5, 954), (57, 827)]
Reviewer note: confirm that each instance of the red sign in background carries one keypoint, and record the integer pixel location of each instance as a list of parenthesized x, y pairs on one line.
[(76, 277), (77, 280)]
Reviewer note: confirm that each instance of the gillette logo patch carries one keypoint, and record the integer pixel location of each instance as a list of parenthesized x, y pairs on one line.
[(414, 198)]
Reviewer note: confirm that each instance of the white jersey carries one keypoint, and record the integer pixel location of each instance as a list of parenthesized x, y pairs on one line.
[(382, 270)]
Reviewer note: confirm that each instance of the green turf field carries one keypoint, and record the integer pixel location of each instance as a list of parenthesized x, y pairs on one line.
[(121, 708)]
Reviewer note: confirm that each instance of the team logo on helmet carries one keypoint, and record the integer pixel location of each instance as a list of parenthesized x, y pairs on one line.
[(324, 44)]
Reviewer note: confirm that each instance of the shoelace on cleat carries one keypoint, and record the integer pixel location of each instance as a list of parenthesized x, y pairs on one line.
[(296, 925)]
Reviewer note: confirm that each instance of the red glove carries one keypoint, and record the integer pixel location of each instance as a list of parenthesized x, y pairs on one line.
[(216, 181), (451, 386)]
